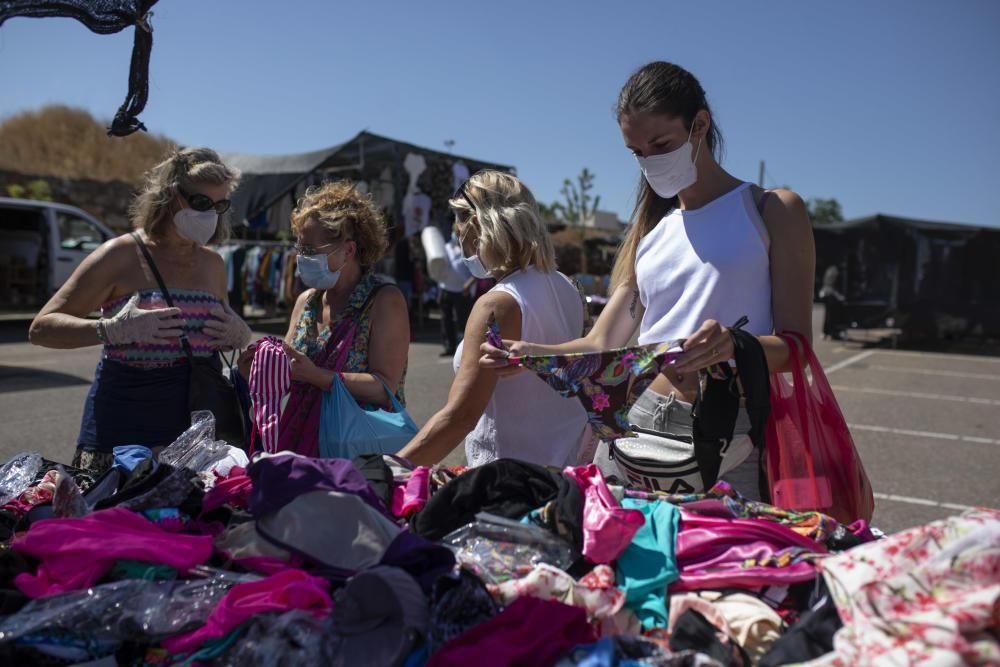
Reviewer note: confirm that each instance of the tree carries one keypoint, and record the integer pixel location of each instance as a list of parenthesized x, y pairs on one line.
[(70, 143), (578, 207), (824, 211), (550, 213)]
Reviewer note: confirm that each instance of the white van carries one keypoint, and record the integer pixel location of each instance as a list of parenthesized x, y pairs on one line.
[(41, 243)]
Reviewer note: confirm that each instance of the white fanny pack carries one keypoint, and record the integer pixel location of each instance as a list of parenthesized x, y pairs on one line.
[(668, 464)]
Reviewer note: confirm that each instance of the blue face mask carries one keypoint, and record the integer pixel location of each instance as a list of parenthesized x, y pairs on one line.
[(315, 271)]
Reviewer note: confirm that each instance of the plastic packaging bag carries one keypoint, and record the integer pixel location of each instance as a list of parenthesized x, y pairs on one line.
[(812, 463), (196, 448), (498, 549), (68, 500), (289, 640), (131, 609), (18, 474)]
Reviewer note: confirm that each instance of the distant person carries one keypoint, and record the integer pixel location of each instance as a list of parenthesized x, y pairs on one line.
[(704, 249), (833, 305), (502, 235), (403, 267), (454, 295), (340, 236), (140, 390)]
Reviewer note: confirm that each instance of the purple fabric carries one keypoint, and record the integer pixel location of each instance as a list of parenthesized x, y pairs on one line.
[(861, 530), (278, 480), (528, 632), (422, 559), (715, 552)]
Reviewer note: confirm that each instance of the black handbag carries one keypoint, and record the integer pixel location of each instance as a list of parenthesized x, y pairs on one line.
[(208, 388)]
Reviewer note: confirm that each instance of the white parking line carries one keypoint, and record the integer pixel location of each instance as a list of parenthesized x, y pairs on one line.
[(937, 373), (910, 500), (940, 355), (917, 394), (847, 362), (923, 434)]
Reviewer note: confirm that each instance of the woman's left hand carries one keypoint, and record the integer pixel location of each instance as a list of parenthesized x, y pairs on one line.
[(228, 331), (303, 368), (709, 345)]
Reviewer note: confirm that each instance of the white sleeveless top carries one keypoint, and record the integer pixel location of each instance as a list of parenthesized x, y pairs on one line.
[(525, 418), (710, 263)]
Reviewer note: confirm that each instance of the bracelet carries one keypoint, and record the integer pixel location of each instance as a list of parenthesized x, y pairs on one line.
[(102, 334)]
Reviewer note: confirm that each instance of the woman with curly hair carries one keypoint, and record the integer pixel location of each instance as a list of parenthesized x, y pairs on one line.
[(140, 389), (341, 234)]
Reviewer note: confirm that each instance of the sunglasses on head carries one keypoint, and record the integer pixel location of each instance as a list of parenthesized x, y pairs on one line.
[(200, 202)]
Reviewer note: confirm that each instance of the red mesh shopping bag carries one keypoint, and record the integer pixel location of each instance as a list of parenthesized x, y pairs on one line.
[(812, 463)]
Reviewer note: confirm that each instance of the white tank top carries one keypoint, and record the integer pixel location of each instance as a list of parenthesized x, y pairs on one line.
[(525, 418), (711, 263)]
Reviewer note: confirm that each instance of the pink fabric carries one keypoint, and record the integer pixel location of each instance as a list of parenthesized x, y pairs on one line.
[(270, 378), (718, 552), (410, 497), (76, 552), (608, 528), (233, 489), (298, 428), (528, 632), (285, 591)]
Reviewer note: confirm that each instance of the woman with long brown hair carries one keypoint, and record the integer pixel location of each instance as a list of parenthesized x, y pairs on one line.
[(705, 248)]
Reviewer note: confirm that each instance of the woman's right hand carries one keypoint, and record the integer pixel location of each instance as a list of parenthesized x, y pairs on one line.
[(135, 325)]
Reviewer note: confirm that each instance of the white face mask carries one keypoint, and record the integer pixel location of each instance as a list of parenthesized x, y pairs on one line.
[(196, 226), (474, 264), (475, 267), (671, 172)]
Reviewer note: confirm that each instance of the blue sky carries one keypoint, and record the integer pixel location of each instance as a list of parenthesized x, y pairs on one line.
[(889, 106)]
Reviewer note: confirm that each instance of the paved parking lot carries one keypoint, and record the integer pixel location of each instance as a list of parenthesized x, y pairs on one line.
[(927, 424)]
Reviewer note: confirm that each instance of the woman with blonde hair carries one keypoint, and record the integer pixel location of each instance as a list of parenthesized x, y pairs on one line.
[(503, 237), (340, 235), (140, 389)]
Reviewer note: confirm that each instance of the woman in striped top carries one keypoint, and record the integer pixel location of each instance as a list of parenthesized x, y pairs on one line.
[(140, 389)]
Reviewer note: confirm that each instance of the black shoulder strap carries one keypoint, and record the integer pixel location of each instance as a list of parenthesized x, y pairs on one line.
[(152, 267), (370, 299), (163, 289), (762, 202)]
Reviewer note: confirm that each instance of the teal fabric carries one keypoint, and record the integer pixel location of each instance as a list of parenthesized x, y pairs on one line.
[(346, 430), (649, 564)]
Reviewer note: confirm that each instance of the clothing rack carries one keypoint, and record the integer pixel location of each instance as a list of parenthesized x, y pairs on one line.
[(260, 275)]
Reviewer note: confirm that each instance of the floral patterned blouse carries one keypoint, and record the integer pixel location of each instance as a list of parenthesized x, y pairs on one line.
[(310, 340)]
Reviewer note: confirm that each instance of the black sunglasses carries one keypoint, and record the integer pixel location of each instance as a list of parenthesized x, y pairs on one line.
[(462, 194), (200, 202)]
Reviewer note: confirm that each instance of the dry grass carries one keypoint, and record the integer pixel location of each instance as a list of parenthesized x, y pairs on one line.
[(70, 143)]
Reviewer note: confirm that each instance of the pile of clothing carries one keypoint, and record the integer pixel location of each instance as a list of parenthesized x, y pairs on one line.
[(189, 559)]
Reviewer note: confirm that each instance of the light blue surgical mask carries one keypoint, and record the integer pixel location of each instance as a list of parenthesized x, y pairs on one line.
[(474, 264), (315, 271), (475, 267)]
